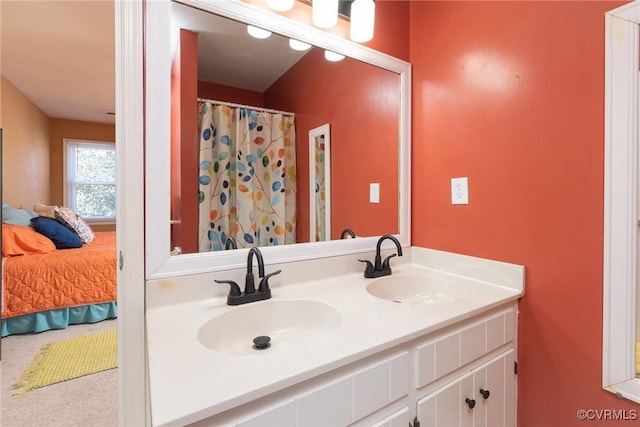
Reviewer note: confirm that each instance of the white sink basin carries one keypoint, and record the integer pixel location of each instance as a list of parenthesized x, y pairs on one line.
[(418, 289), (290, 324)]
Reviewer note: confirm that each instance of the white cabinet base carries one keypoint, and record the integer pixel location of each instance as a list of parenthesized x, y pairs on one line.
[(428, 379)]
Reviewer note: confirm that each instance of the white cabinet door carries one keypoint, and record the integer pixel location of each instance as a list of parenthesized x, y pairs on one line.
[(468, 401), (463, 402), (495, 390), (444, 407), (481, 403)]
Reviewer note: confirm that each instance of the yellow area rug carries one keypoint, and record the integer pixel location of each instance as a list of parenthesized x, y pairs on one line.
[(69, 359)]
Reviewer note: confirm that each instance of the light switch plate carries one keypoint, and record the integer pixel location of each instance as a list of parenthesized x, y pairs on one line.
[(460, 191), (374, 192)]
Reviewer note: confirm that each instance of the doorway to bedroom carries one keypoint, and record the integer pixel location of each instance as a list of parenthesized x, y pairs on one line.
[(59, 285)]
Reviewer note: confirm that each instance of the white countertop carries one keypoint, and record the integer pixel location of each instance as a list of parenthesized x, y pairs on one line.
[(189, 382)]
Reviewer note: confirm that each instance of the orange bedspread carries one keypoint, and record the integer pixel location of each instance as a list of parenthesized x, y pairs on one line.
[(62, 278)]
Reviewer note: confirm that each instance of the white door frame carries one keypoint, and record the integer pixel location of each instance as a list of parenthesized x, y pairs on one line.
[(133, 401), (621, 201)]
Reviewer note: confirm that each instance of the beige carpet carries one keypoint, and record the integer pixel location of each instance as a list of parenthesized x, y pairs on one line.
[(88, 401)]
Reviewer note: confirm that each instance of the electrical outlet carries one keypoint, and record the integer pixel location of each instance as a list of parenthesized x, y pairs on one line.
[(460, 191)]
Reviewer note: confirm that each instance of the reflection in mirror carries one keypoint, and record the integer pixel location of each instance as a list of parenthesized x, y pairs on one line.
[(366, 98), (320, 183), (239, 167), (247, 171)]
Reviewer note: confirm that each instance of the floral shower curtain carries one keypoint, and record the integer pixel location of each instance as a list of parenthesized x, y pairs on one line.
[(247, 177)]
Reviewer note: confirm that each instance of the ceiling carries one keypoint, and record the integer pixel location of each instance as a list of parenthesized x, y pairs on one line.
[(228, 55), (61, 54)]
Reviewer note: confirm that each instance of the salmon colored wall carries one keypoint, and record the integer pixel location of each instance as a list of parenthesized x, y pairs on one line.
[(391, 30), (511, 94), (235, 95), (184, 144), (25, 151), (176, 173), (391, 36), (364, 139)]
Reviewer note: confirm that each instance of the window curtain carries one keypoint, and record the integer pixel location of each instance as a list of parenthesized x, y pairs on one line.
[(247, 182)]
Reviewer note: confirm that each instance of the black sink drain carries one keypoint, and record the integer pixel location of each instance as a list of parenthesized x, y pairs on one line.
[(262, 342)]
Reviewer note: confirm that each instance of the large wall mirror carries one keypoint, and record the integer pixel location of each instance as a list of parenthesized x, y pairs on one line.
[(204, 68)]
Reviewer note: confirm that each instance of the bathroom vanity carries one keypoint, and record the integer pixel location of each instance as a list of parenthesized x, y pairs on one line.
[(438, 345), (342, 350)]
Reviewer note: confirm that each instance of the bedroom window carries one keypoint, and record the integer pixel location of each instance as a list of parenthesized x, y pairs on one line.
[(90, 175)]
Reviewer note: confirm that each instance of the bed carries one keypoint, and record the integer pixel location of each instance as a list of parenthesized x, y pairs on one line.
[(42, 291)]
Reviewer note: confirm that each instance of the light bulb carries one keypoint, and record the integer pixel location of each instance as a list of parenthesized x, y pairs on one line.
[(324, 13), (258, 33), (333, 56), (362, 20), (298, 45), (280, 5)]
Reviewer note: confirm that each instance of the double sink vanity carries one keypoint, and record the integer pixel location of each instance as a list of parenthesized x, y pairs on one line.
[(433, 342)]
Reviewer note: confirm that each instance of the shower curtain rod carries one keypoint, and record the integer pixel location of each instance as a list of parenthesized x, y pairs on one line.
[(250, 107)]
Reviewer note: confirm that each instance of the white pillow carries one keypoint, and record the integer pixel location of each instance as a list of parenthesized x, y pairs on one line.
[(44, 210)]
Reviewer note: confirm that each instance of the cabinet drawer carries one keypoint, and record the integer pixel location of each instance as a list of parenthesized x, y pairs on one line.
[(501, 329), (379, 385), (447, 354), (442, 355), (344, 400), (329, 405), (473, 343), (397, 419), (283, 415)]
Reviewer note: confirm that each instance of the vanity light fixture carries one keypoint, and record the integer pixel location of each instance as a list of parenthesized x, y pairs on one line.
[(258, 33), (324, 13), (280, 5), (333, 56), (298, 45), (362, 20)]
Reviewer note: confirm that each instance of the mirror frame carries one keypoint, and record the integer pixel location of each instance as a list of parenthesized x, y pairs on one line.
[(325, 132), (158, 262)]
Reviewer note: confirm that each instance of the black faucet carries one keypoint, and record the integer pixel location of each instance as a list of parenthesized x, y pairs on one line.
[(249, 286), (236, 297), (347, 232), (381, 268), (230, 244)]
